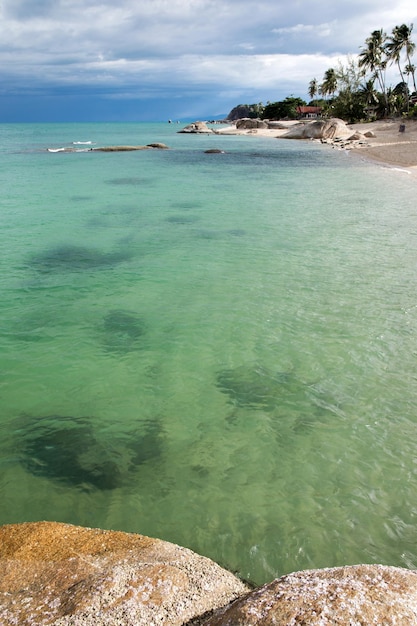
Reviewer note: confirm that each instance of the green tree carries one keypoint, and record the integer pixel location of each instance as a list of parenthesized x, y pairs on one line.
[(369, 93), (373, 59), (399, 43), (349, 103), (284, 109), (313, 89), (329, 84), (411, 69)]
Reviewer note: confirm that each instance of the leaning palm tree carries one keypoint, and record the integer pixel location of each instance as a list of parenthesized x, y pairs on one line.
[(373, 59), (400, 42)]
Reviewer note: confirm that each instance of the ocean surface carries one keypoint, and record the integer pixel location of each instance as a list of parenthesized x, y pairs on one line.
[(219, 350)]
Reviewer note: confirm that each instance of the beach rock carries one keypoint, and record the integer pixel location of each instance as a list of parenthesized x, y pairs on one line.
[(280, 125), (357, 595), (319, 129), (370, 134), (54, 573), (357, 136), (196, 127), (249, 123), (214, 151)]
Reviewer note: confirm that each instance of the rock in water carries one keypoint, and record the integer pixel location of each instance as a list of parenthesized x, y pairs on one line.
[(197, 128), (72, 576)]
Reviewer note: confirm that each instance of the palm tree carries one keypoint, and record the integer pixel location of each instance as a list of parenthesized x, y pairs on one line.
[(398, 42), (411, 69), (329, 84), (313, 89), (373, 58), (368, 93)]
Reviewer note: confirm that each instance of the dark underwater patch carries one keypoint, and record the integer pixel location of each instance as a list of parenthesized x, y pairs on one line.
[(256, 387), (146, 443), (186, 204), (182, 219), (71, 258), (66, 450), (208, 234), (236, 232), (122, 330), (129, 180), (295, 407)]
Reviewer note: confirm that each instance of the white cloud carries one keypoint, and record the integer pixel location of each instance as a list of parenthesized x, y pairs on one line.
[(319, 30), (174, 45)]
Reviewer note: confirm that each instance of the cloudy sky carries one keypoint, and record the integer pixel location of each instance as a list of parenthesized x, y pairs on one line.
[(121, 60)]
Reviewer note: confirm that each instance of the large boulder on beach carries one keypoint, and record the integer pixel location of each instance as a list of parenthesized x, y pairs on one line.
[(196, 128), (340, 596), (249, 123), (319, 129), (53, 573)]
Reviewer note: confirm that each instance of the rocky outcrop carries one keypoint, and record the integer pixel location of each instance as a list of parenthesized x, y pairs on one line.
[(249, 123), (66, 575), (358, 595), (319, 129), (241, 111), (197, 128), (280, 125)]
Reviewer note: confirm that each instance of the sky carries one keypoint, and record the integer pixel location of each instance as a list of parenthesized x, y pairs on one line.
[(154, 60)]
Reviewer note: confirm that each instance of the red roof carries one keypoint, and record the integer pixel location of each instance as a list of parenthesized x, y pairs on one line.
[(308, 109)]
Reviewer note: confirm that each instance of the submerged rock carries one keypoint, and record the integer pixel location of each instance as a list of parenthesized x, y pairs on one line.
[(68, 450), (256, 387), (122, 331), (67, 575), (75, 258)]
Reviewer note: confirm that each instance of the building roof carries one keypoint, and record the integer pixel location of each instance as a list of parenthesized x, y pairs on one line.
[(309, 109)]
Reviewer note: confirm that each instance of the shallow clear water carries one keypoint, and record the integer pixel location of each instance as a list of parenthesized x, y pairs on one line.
[(218, 350)]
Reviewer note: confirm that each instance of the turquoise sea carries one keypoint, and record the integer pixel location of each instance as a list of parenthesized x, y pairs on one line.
[(219, 350)]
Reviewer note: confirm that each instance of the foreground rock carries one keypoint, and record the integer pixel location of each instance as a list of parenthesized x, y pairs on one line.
[(358, 595), (66, 575)]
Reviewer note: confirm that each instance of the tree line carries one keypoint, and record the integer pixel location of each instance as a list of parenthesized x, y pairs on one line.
[(358, 90)]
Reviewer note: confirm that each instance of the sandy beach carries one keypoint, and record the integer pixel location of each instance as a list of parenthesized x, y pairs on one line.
[(388, 145)]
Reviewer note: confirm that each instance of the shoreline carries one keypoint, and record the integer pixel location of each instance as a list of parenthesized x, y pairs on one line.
[(388, 146)]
